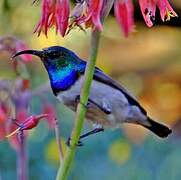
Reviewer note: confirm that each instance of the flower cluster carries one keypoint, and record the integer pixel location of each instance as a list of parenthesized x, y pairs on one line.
[(17, 95), (54, 13), (89, 13), (13, 45)]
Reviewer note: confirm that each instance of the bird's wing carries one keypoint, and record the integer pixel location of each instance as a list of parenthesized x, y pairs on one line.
[(101, 77)]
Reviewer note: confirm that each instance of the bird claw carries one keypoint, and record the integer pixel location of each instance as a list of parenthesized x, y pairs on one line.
[(78, 144), (77, 99)]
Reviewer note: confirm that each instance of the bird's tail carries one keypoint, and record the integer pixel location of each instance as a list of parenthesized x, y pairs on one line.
[(159, 129)]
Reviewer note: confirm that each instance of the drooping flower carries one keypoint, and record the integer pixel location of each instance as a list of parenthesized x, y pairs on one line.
[(88, 13), (93, 17), (55, 13), (148, 9), (166, 10), (124, 14)]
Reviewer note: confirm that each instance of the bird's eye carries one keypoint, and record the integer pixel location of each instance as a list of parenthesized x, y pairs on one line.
[(54, 54)]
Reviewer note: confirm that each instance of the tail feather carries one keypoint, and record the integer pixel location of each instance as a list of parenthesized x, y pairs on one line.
[(159, 129)]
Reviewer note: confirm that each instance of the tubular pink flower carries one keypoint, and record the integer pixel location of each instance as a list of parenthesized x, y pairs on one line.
[(20, 46), (166, 10), (62, 15), (28, 124), (148, 9), (94, 13), (88, 12), (54, 13), (124, 14)]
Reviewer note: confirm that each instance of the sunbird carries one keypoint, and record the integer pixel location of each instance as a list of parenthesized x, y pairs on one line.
[(109, 104)]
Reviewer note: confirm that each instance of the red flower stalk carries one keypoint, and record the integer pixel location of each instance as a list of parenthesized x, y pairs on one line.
[(124, 14), (3, 118), (54, 13), (21, 115)]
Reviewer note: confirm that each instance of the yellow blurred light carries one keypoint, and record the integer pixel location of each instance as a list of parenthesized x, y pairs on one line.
[(51, 152), (42, 41), (120, 151), (169, 95)]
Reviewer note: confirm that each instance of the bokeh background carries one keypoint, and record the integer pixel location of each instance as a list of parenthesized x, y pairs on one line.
[(148, 63)]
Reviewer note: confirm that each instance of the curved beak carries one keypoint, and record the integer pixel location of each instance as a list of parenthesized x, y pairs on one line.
[(33, 52)]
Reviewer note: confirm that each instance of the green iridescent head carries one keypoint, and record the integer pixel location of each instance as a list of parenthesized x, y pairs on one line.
[(54, 54)]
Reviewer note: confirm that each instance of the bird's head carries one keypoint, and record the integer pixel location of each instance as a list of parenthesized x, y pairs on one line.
[(61, 64), (53, 56)]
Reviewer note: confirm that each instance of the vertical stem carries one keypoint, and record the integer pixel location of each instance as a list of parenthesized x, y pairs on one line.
[(22, 166), (81, 110), (57, 134)]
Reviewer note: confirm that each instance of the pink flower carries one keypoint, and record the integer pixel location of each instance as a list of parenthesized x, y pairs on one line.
[(13, 45), (124, 14), (166, 10), (88, 12), (3, 118), (54, 13), (50, 110), (148, 9), (20, 46), (32, 121), (28, 123), (93, 14)]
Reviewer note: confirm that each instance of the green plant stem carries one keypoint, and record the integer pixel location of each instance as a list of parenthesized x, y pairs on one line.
[(81, 110)]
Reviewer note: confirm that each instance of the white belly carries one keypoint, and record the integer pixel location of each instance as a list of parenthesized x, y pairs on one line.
[(103, 95)]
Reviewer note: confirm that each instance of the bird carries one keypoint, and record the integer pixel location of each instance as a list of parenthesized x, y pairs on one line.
[(109, 103)]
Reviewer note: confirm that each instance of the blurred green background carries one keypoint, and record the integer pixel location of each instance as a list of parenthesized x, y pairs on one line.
[(148, 63)]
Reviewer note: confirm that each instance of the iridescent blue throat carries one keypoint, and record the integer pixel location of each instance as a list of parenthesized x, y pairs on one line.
[(63, 74)]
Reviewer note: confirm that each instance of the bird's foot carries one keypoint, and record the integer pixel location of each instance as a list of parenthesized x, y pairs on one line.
[(78, 144), (77, 99), (94, 131)]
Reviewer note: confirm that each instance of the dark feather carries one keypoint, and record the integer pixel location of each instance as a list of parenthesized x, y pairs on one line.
[(101, 77), (159, 129)]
